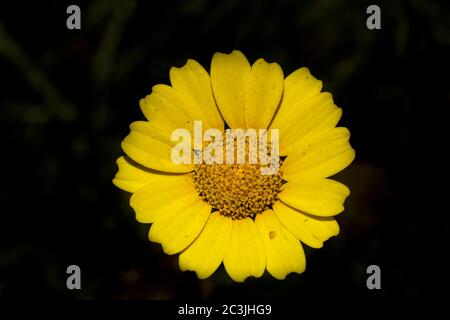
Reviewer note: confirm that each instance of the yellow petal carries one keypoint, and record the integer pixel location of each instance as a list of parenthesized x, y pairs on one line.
[(206, 253), (303, 109), (151, 153), (154, 129), (284, 253), (132, 176), (229, 73), (262, 94), (319, 156), (194, 83), (311, 230), (246, 255), (298, 86), (176, 230), (314, 122), (165, 105), (160, 197), (320, 197), (301, 84)]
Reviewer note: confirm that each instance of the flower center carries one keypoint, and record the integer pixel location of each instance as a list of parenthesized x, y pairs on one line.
[(237, 190)]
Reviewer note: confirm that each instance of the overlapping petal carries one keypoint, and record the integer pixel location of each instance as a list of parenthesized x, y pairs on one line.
[(284, 253), (176, 230), (311, 230), (192, 81), (246, 255), (320, 197), (207, 252), (149, 151), (304, 110), (247, 96), (319, 156), (132, 176), (160, 197)]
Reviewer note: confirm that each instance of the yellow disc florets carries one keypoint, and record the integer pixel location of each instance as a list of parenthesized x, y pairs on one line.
[(236, 190)]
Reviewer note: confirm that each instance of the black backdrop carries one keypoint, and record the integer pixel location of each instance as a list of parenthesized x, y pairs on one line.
[(68, 96)]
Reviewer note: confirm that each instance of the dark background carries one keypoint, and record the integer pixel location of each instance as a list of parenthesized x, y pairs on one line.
[(68, 96)]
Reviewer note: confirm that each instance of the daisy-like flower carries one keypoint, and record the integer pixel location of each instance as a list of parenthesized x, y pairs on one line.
[(232, 213)]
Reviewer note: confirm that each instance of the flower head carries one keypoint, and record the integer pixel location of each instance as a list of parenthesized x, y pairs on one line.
[(279, 143)]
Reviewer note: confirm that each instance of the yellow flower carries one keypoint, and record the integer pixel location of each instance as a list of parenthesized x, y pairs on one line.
[(232, 213)]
